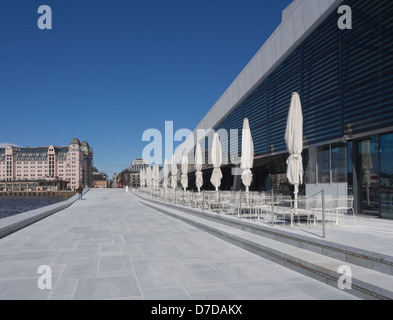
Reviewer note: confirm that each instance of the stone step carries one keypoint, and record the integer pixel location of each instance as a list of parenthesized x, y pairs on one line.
[(365, 258), (292, 251)]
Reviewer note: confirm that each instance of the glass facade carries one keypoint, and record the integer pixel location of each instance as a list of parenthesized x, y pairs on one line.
[(344, 78), (386, 175), (372, 175)]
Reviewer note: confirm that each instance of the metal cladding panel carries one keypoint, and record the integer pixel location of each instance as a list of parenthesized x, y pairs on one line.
[(343, 77), (368, 67), (275, 48)]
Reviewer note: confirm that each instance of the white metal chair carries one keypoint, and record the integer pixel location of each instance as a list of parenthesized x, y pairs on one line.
[(344, 204), (312, 209)]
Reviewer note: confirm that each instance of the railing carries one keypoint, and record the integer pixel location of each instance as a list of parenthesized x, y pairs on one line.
[(269, 207)]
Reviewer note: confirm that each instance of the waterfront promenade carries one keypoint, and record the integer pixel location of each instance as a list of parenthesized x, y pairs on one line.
[(111, 246)]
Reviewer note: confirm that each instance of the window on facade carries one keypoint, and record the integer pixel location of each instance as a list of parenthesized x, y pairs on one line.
[(310, 173), (339, 172), (323, 161)]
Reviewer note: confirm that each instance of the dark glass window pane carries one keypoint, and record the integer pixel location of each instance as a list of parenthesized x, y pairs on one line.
[(368, 163), (339, 171), (311, 167), (323, 158), (386, 175)]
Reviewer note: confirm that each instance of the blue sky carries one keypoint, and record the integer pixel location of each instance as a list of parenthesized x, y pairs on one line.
[(109, 70)]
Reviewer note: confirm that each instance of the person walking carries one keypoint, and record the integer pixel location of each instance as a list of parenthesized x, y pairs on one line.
[(80, 191)]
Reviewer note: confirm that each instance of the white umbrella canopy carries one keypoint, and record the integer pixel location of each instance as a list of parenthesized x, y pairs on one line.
[(294, 141), (184, 170), (145, 177), (148, 176), (166, 172), (156, 176), (247, 159), (174, 173), (198, 166), (216, 161)]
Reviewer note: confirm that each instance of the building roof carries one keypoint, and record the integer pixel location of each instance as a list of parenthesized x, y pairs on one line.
[(75, 141), (85, 144), (300, 18), (96, 176), (35, 150)]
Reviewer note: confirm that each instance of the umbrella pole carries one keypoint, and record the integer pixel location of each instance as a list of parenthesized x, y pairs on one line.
[(272, 208), (295, 199), (219, 202), (240, 203)]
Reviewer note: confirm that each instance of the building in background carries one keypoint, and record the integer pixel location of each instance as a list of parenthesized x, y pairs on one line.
[(138, 164), (100, 180), (344, 78), (113, 182), (64, 167), (88, 152), (130, 177)]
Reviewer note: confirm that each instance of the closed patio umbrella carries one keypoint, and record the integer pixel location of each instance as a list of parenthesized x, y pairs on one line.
[(149, 176), (198, 167), (174, 173), (145, 177), (184, 170), (156, 176), (294, 141), (216, 161), (166, 172), (247, 159)]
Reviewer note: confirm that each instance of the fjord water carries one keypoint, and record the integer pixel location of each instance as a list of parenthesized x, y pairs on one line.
[(14, 205)]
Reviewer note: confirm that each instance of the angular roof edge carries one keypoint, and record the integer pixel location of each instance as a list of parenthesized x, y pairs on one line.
[(300, 18)]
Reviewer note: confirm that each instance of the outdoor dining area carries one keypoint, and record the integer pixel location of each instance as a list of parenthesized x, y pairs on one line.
[(269, 207)]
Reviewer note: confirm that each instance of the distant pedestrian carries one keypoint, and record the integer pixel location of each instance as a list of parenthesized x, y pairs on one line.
[(80, 191)]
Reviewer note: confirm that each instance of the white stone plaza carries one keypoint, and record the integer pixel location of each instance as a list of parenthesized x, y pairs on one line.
[(112, 246)]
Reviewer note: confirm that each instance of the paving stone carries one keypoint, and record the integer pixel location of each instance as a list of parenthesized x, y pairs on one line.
[(110, 246), (106, 288)]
